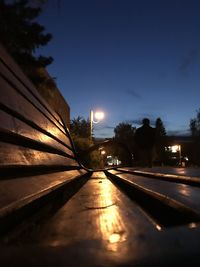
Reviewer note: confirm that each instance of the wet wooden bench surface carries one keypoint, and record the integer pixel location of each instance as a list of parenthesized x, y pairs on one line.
[(102, 226)]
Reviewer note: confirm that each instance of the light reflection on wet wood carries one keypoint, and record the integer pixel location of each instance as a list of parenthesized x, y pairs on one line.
[(112, 230), (99, 215)]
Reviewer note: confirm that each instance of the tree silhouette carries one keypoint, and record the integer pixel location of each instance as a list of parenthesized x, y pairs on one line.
[(195, 125), (124, 134), (80, 127), (22, 35), (195, 133), (160, 141), (160, 129)]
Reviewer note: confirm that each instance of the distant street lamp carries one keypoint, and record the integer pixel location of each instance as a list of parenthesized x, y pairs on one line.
[(95, 117)]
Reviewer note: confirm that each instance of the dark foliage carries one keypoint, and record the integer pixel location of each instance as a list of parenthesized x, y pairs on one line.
[(195, 132), (160, 129), (124, 134), (195, 125), (22, 35), (160, 141), (80, 127)]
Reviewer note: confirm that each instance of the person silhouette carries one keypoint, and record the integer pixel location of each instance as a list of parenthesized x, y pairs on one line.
[(145, 141)]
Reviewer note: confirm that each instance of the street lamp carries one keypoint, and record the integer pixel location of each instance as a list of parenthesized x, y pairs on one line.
[(95, 117)]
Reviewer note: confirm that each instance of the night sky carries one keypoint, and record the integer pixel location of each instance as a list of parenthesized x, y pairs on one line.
[(130, 58)]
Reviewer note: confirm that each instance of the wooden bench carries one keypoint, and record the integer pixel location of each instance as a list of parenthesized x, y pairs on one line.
[(116, 217), (37, 156)]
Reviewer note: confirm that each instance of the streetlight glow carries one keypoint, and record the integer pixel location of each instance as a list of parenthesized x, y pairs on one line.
[(99, 115)]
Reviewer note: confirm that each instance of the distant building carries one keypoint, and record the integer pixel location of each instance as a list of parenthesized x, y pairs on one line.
[(178, 150)]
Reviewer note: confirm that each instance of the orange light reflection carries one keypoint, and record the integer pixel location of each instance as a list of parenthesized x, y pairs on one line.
[(111, 225), (184, 190), (193, 225)]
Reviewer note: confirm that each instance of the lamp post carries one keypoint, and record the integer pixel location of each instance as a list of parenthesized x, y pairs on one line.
[(95, 117)]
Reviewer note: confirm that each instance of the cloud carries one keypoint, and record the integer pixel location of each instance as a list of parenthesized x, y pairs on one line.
[(152, 118), (104, 135), (133, 93), (139, 120), (107, 127), (178, 132), (135, 121), (189, 60)]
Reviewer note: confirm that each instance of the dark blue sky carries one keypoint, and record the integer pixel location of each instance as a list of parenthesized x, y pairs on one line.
[(130, 58)]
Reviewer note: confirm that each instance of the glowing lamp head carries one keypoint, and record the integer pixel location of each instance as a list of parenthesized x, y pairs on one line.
[(99, 115)]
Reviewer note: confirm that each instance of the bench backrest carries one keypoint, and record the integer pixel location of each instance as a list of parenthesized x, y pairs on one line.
[(33, 137)]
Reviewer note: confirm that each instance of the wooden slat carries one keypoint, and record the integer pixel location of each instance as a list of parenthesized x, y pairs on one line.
[(15, 125), (18, 155), (37, 103), (184, 178), (18, 104), (20, 89), (30, 185), (11, 70), (186, 194)]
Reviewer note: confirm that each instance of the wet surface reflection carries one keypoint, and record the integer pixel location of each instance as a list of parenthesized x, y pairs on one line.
[(109, 220), (184, 190), (193, 225)]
